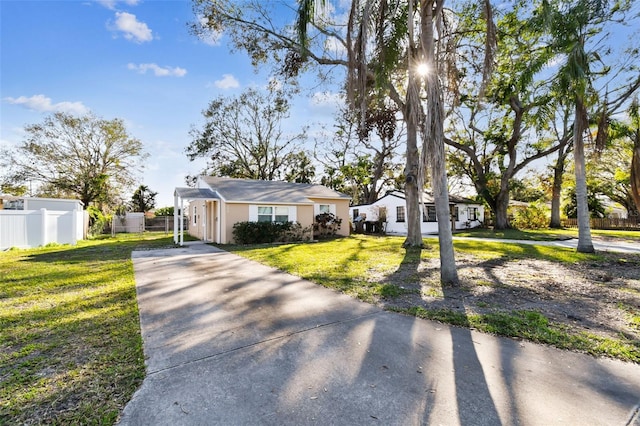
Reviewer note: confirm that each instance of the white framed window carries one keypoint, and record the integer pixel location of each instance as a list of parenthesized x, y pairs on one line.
[(265, 214), (399, 213), (429, 214), (195, 214), (323, 208), (473, 213), (279, 214)]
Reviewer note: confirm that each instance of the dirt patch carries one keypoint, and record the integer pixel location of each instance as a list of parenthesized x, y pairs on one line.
[(600, 297)]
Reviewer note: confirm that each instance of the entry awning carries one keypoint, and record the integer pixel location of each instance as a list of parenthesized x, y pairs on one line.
[(196, 194)]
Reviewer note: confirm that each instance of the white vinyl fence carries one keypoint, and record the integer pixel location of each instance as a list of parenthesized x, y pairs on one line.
[(132, 222), (33, 228)]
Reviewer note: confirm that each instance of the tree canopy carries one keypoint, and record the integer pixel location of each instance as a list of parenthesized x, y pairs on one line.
[(84, 157), (143, 199), (244, 137)]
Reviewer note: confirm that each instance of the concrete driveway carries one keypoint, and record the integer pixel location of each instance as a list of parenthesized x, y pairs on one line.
[(231, 342)]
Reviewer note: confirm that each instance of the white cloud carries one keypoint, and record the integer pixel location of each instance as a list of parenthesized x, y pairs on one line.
[(111, 4), (158, 71), (332, 45), (228, 81), (209, 36), (42, 103), (133, 29), (326, 99)]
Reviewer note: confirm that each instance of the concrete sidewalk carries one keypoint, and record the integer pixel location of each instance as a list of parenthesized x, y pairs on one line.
[(231, 342), (612, 246)]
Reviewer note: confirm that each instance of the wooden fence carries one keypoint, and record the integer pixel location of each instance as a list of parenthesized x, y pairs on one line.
[(631, 224)]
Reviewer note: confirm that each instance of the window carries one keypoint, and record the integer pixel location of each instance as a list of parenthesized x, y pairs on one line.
[(456, 213), (399, 213), (324, 208), (273, 214), (195, 214), (282, 215), (356, 213), (265, 214), (473, 213), (429, 214)]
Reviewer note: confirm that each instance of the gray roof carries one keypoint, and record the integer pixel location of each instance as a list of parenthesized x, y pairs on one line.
[(195, 193), (261, 191)]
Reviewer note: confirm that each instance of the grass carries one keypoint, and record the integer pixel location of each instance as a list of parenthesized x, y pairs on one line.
[(535, 327), (546, 234), (355, 266), (70, 345)]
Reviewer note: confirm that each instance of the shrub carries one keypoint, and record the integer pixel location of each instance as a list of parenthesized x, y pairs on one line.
[(534, 216), (268, 232), (326, 224), (97, 221)]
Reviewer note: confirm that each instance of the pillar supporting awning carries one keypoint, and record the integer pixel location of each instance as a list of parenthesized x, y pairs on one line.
[(180, 195)]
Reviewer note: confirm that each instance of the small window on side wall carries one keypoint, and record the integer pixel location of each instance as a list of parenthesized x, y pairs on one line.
[(429, 214), (399, 213), (473, 213)]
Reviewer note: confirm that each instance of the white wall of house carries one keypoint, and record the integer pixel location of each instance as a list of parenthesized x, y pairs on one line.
[(33, 228), (468, 215)]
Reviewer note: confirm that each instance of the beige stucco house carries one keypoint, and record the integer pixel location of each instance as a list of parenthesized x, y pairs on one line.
[(216, 204)]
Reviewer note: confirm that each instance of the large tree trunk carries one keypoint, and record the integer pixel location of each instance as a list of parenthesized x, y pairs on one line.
[(585, 245), (501, 211), (412, 172), (635, 172), (412, 187), (556, 189), (433, 147)]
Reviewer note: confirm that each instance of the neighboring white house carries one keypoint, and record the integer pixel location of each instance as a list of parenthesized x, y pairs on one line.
[(27, 222), (217, 203), (391, 209)]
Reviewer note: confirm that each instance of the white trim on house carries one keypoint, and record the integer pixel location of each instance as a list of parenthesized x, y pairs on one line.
[(392, 202)]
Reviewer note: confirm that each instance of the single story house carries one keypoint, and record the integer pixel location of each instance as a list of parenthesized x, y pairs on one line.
[(217, 203), (27, 222), (391, 210)]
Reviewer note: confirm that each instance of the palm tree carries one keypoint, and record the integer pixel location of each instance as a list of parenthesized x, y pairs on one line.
[(570, 30)]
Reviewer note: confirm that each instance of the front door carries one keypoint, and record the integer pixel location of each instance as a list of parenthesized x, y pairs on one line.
[(212, 222)]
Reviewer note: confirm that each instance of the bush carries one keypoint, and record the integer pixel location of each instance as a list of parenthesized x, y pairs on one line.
[(534, 216), (269, 232), (97, 221), (326, 224)]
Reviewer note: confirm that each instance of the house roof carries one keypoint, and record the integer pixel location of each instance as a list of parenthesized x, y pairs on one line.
[(427, 198), (195, 193), (261, 191)]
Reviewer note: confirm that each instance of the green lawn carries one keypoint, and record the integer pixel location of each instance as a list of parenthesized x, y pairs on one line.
[(355, 266), (70, 345)]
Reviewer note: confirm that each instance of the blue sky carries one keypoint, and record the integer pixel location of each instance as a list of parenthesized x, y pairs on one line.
[(128, 59), (134, 60)]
